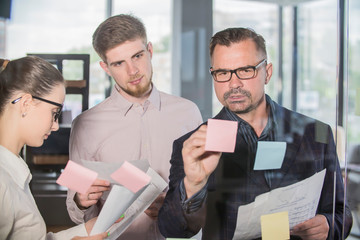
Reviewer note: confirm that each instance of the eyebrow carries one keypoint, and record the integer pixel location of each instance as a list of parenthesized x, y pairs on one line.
[(226, 69), (121, 61)]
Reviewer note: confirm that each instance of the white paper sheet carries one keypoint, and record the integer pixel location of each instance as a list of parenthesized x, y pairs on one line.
[(300, 200), (119, 199), (151, 192)]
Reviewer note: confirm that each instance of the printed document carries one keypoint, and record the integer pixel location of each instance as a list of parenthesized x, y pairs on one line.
[(300, 200)]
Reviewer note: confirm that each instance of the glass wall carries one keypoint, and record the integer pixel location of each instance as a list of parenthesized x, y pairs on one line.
[(352, 114), (306, 45), (317, 60), (40, 26)]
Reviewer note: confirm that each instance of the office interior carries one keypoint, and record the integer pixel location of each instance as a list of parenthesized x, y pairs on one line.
[(314, 46)]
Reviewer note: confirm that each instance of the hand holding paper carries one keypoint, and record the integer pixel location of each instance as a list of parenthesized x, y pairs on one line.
[(153, 209), (76, 177), (98, 189), (198, 162), (314, 228)]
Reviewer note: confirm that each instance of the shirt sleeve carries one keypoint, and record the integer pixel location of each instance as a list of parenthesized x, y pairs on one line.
[(67, 234), (194, 203), (77, 151)]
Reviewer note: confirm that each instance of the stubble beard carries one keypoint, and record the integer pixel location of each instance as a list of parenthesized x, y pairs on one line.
[(139, 90), (240, 107)]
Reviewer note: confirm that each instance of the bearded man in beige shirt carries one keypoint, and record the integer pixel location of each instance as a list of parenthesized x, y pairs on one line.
[(135, 122)]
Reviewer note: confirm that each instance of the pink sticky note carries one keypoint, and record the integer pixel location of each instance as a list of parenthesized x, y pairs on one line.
[(131, 177), (221, 135), (77, 177)]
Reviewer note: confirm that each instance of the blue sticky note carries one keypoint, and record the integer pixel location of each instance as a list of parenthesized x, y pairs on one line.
[(269, 155)]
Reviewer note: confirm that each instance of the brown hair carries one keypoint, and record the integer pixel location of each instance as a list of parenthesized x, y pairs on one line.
[(234, 35), (117, 30), (30, 74)]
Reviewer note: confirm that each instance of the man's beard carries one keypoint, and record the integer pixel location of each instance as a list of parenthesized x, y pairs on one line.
[(245, 93), (139, 90)]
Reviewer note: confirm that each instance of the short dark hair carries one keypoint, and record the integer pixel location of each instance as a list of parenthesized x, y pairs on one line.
[(117, 30), (234, 35), (29, 74)]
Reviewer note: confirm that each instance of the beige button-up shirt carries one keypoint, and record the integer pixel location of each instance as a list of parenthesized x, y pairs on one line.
[(20, 217), (117, 130)]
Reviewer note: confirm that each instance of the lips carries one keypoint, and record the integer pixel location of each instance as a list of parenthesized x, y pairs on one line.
[(236, 97), (136, 81)]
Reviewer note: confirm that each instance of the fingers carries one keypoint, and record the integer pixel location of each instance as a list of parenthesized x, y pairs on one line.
[(101, 183), (198, 163), (94, 237), (152, 213), (153, 210), (94, 193), (194, 146), (316, 228), (120, 218)]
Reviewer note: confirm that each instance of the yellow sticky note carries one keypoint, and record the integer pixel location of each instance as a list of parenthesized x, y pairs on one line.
[(357, 102), (275, 226), (180, 239)]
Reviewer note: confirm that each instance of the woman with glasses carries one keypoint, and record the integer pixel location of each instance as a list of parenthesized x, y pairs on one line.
[(32, 93)]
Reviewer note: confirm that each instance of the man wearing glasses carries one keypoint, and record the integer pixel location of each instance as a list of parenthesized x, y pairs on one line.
[(207, 188)]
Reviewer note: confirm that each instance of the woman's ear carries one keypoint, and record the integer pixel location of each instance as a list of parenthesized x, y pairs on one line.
[(26, 102)]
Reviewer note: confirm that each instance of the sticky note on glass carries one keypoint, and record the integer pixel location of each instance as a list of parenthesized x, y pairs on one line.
[(131, 177), (275, 226), (269, 155), (221, 135), (77, 177)]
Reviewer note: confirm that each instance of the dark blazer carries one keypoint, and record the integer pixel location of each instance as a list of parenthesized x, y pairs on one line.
[(310, 149)]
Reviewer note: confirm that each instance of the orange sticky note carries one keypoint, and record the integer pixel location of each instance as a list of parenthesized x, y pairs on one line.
[(77, 177), (275, 226), (131, 177), (221, 135)]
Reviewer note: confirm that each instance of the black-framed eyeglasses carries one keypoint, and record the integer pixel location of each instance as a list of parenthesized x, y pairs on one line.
[(56, 114), (243, 73)]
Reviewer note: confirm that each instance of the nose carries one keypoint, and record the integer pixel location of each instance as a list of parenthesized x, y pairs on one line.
[(132, 68), (55, 126), (235, 82)]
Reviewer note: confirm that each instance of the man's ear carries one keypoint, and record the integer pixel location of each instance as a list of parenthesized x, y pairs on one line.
[(150, 48), (269, 69), (104, 66)]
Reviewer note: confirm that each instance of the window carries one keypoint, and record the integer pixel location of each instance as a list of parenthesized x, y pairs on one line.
[(40, 26)]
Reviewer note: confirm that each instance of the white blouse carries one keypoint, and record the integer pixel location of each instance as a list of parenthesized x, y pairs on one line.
[(20, 217)]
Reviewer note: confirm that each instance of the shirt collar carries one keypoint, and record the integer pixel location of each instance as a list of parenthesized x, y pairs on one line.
[(15, 166), (271, 121), (125, 105)]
